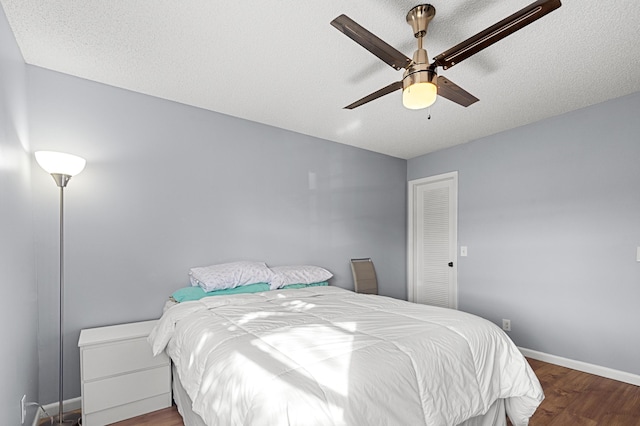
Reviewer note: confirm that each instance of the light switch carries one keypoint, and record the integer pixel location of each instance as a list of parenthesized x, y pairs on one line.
[(463, 251), (638, 255)]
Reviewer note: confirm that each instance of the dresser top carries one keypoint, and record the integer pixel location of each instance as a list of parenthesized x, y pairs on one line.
[(114, 333)]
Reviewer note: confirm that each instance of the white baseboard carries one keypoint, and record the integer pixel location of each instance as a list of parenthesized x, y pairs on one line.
[(68, 405), (609, 373)]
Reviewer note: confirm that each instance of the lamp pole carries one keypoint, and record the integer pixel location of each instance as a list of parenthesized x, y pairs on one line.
[(61, 181)]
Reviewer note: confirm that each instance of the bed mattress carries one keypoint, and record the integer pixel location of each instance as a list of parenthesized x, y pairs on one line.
[(495, 416)]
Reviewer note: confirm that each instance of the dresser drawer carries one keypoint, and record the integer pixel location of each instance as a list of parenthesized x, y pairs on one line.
[(119, 390), (122, 412), (119, 357)]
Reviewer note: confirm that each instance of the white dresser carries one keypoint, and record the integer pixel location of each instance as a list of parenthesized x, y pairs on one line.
[(120, 376)]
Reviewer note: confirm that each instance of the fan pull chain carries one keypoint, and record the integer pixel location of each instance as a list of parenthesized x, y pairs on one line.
[(429, 114)]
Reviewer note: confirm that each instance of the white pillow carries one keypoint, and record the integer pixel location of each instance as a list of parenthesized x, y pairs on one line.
[(302, 274), (230, 275)]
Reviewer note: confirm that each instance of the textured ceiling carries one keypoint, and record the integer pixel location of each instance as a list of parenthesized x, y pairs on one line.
[(281, 63)]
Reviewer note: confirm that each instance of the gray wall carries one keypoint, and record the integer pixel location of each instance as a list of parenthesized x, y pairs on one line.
[(551, 215), (18, 314), (168, 187)]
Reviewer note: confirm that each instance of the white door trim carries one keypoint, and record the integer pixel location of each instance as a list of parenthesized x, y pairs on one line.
[(412, 187)]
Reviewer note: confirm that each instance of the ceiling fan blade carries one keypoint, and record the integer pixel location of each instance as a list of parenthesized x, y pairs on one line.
[(371, 42), (448, 89), (495, 33), (375, 95)]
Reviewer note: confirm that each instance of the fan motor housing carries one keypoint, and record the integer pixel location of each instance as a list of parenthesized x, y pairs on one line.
[(419, 73)]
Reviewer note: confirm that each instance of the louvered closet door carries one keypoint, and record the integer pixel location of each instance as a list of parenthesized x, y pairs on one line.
[(433, 245)]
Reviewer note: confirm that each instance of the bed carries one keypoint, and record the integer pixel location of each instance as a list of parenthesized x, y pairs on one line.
[(328, 356)]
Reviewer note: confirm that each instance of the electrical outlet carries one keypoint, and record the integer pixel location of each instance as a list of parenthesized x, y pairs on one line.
[(23, 409), (506, 324)]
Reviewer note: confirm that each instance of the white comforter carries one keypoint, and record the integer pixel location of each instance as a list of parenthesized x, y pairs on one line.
[(328, 356)]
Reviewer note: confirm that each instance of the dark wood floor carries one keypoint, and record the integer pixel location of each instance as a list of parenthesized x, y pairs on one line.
[(572, 398), (576, 398)]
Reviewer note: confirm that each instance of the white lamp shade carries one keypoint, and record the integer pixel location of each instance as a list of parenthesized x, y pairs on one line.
[(419, 95), (61, 163)]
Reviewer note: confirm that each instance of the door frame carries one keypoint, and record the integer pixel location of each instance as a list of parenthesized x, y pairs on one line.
[(413, 185)]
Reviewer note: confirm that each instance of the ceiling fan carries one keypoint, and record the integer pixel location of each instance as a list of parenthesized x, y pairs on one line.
[(420, 83)]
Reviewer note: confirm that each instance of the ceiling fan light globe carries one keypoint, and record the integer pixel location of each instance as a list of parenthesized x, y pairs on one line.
[(419, 95)]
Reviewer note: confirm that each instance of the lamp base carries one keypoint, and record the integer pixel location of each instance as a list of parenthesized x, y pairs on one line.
[(69, 419)]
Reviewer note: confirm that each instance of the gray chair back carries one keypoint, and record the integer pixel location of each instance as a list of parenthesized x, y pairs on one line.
[(364, 276)]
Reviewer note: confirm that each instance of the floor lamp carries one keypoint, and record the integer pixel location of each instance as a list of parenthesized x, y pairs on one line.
[(62, 167)]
